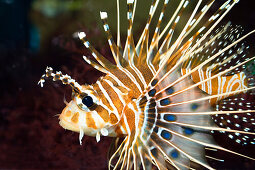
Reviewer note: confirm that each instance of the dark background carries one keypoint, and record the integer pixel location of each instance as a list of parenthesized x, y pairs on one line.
[(36, 34)]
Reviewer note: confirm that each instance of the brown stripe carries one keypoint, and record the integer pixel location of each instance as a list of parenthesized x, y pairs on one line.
[(103, 113), (121, 124), (75, 117), (122, 89), (101, 96), (113, 96), (90, 121), (68, 113), (128, 82), (113, 119), (130, 116), (118, 131)]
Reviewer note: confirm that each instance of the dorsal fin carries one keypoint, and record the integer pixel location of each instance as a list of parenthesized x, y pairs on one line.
[(116, 49), (222, 74), (102, 61), (168, 120), (172, 115)]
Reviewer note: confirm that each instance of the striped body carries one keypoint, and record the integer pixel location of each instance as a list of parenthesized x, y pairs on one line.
[(114, 91), (161, 95)]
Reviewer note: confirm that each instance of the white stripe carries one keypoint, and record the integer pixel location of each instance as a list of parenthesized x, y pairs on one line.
[(151, 67), (126, 124), (122, 130), (87, 60), (117, 91), (186, 3), (110, 42), (201, 29), (204, 8), (243, 77), (129, 33), (239, 84), (219, 85), (103, 15), (115, 111), (118, 81), (138, 73), (99, 122), (94, 55), (147, 26), (209, 83), (148, 62), (82, 120), (192, 22), (81, 35), (177, 19), (227, 6), (106, 27), (99, 102), (130, 1), (161, 16), (136, 115), (104, 106), (156, 30), (226, 3), (131, 78), (151, 10), (86, 43), (129, 15), (231, 82), (222, 81), (146, 121), (215, 16), (201, 77)]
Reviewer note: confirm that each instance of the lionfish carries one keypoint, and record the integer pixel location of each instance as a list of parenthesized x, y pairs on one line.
[(159, 98)]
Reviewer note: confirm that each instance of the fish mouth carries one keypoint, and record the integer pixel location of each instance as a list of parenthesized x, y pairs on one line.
[(68, 125)]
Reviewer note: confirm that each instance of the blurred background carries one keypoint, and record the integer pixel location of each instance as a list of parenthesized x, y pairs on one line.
[(39, 33)]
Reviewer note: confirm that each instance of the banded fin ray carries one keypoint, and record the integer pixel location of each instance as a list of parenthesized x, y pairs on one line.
[(169, 79), (115, 48), (166, 93), (146, 135)]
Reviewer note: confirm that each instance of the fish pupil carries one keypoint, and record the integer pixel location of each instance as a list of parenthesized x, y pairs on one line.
[(88, 101)]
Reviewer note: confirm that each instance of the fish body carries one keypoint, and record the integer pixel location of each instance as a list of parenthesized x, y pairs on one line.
[(161, 94)]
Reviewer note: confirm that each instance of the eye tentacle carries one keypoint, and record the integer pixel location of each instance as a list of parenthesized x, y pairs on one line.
[(65, 79)]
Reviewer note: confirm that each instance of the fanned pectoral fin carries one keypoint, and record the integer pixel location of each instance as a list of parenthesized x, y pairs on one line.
[(220, 84), (157, 141)]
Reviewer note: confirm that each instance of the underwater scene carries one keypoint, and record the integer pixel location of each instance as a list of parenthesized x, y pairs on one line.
[(132, 84)]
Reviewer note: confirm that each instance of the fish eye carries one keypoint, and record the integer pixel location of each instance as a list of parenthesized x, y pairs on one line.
[(88, 101)]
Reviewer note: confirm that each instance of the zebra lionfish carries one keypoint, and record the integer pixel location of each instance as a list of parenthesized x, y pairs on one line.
[(161, 94)]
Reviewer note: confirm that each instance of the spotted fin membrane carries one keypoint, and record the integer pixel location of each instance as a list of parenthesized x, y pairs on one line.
[(164, 95)]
